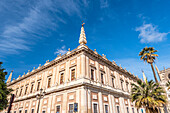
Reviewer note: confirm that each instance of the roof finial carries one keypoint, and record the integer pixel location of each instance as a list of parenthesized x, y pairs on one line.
[(10, 76), (82, 39)]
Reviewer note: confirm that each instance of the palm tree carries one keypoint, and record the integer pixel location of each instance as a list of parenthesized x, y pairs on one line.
[(148, 95), (168, 85), (148, 55)]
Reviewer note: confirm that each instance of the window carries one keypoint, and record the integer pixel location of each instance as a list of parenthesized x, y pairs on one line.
[(43, 111), (127, 87), (169, 75), (121, 84), (106, 109), (20, 92), (38, 86), (58, 109), (72, 74), (102, 78), (25, 111), (133, 111), (32, 86), (14, 111), (92, 74), (32, 111), (26, 88), (20, 111), (70, 108), (113, 82), (16, 91), (117, 108), (127, 109), (141, 110), (49, 82), (61, 78), (95, 108)]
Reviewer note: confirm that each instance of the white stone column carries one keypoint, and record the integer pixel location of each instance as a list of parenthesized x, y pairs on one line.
[(97, 72), (83, 66), (130, 107), (30, 104), (113, 101), (122, 105), (64, 105), (53, 76), (110, 103), (83, 100), (89, 101), (87, 68), (49, 104), (67, 74), (78, 67), (100, 102)]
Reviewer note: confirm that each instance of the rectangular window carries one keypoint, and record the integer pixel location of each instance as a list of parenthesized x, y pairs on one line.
[(62, 78), (16, 91), (72, 74), (118, 110), (127, 87), (58, 109), (133, 111), (106, 109), (25, 111), (26, 88), (32, 111), (92, 74), (49, 82), (95, 108), (113, 82), (127, 109), (70, 108), (102, 78), (32, 86), (20, 92), (38, 86), (121, 84)]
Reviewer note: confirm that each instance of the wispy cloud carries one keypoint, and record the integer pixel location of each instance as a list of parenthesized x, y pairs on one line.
[(62, 50), (34, 24), (149, 33), (104, 3)]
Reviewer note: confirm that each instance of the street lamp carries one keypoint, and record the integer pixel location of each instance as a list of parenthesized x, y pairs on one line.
[(39, 97)]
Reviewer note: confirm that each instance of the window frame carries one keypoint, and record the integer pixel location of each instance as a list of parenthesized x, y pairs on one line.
[(93, 106), (60, 77)]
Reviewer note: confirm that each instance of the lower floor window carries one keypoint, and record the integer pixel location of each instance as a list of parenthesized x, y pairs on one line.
[(70, 108), (43, 111), (20, 111), (58, 109), (95, 108), (32, 111), (133, 111), (25, 111), (118, 110), (106, 109), (127, 109)]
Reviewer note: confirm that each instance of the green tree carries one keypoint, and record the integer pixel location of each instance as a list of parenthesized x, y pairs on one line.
[(148, 95), (168, 85), (148, 55), (4, 91)]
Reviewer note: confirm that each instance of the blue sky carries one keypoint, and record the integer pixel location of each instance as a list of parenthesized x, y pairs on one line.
[(33, 31)]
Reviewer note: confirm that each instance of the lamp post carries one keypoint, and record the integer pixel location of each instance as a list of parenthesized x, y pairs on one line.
[(39, 97)]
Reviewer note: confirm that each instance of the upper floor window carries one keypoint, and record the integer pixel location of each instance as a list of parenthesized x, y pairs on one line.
[(58, 109), (32, 86), (106, 109), (38, 86), (61, 78), (32, 111), (127, 109), (43, 111), (26, 88), (70, 108), (117, 109), (72, 74), (121, 81), (25, 111), (169, 75), (16, 92), (127, 84), (20, 92), (92, 74), (113, 82), (102, 80), (20, 111), (49, 83)]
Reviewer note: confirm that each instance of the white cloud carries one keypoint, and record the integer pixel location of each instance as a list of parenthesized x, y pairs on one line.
[(62, 50), (150, 34), (34, 24)]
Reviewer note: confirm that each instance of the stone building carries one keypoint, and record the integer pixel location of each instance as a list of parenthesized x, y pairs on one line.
[(164, 78), (80, 76)]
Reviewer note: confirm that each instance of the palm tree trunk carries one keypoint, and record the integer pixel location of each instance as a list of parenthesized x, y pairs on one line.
[(154, 73)]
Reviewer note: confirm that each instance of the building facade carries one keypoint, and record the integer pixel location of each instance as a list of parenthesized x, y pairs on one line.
[(164, 78), (80, 76)]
